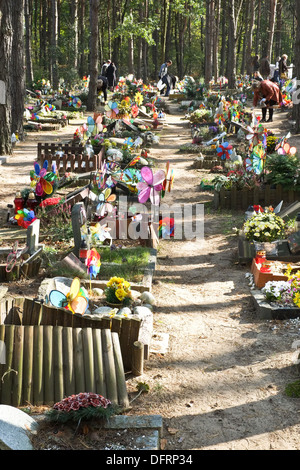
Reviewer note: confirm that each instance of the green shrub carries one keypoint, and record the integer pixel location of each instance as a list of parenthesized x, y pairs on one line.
[(284, 170)]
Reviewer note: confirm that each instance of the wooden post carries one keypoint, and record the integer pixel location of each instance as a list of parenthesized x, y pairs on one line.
[(48, 365), (88, 356), (6, 380), (124, 343), (18, 366), (120, 375), (58, 363), (109, 366), (28, 365), (98, 361), (78, 361), (68, 362), (38, 386), (137, 358)]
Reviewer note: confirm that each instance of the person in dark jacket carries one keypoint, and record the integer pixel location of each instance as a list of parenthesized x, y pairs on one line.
[(267, 94), (102, 85), (165, 77), (283, 68), (264, 67), (111, 75)]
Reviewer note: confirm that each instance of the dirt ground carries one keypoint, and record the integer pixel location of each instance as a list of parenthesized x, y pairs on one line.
[(220, 385)]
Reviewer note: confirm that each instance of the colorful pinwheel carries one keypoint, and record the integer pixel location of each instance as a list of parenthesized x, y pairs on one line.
[(100, 232), (76, 300), (38, 179), (105, 200), (151, 186), (166, 227), (284, 148), (93, 262), (257, 157), (101, 176), (256, 134), (112, 110), (224, 151)]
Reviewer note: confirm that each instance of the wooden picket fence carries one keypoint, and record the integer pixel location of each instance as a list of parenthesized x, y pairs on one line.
[(52, 353), (241, 199), (73, 159)]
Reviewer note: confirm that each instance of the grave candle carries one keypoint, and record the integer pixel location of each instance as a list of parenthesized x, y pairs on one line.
[(18, 202), (31, 201)]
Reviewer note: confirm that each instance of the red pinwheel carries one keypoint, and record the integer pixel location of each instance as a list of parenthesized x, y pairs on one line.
[(151, 186), (224, 151)]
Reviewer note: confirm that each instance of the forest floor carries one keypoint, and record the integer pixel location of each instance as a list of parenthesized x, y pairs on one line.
[(221, 384)]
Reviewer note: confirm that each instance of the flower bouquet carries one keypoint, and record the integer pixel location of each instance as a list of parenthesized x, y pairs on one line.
[(278, 292), (82, 406), (118, 291)]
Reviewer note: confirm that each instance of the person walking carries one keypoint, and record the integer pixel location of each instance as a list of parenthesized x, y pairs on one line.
[(264, 67), (104, 68), (267, 94), (283, 68), (111, 75), (165, 77)]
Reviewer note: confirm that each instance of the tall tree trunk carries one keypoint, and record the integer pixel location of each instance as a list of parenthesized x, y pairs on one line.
[(28, 38), (278, 31), (93, 66), (145, 46), (208, 42), (6, 37), (17, 68), (273, 5), (250, 36), (216, 39), (164, 30), (232, 41), (54, 34), (74, 16), (224, 40), (82, 66), (258, 28)]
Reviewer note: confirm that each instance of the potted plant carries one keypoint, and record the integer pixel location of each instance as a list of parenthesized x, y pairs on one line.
[(118, 292), (265, 229)]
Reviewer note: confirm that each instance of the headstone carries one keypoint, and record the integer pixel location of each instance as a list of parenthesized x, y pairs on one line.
[(79, 219), (15, 429), (33, 233)]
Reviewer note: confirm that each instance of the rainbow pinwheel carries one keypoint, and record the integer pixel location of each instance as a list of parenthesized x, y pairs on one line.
[(224, 151), (25, 217), (112, 110), (105, 199), (76, 300), (256, 134), (93, 262), (128, 142), (257, 158), (39, 179), (166, 227), (151, 186)]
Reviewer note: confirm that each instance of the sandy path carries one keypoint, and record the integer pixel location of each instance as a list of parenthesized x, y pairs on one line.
[(221, 384)]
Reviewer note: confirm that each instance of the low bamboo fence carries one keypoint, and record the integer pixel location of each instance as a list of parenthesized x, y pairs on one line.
[(51, 353), (241, 199)]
